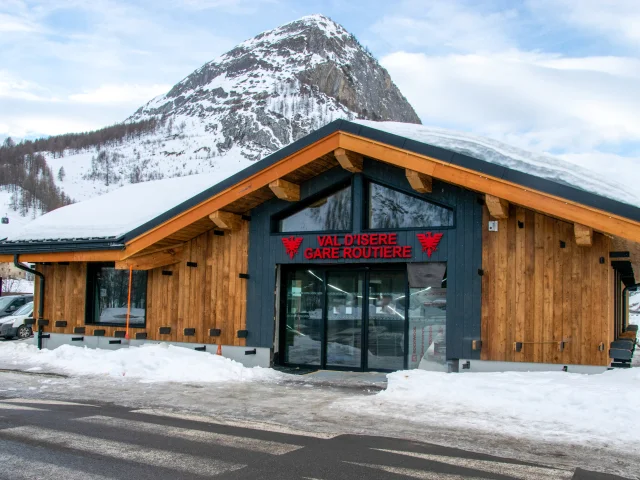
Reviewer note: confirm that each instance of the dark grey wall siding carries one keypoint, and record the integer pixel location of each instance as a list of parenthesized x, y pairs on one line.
[(461, 248)]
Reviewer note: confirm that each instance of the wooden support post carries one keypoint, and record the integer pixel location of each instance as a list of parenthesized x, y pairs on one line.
[(350, 161), (285, 190), (226, 220), (161, 258), (584, 235), (419, 181), (498, 208)]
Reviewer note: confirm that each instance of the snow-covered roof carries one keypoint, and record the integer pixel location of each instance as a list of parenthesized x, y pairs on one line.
[(113, 215), (536, 164)]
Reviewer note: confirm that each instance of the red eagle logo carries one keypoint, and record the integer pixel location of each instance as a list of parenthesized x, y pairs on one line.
[(429, 242), (291, 245)]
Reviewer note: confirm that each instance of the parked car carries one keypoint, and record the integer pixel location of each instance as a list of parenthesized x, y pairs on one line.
[(14, 325), (11, 303)]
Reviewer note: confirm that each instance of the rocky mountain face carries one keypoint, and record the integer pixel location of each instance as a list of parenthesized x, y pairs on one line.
[(255, 99), (275, 88)]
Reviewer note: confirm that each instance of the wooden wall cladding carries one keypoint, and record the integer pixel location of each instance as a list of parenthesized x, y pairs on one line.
[(538, 293), (210, 295), (65, 293)]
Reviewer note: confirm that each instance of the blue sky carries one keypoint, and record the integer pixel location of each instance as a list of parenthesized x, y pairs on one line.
[(558, 76)]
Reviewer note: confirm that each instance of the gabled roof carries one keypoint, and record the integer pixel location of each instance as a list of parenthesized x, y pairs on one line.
[(516, 173)]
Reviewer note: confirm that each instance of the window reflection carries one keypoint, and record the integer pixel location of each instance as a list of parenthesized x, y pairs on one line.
[(390, 208), (328, 213), (304, 318), (109, 290)]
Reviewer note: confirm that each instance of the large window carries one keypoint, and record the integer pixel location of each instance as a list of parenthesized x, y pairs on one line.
[(388, 208), (107, 296), (332, 212)]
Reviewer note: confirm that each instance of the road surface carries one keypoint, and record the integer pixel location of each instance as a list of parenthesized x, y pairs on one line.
[(53, 439)]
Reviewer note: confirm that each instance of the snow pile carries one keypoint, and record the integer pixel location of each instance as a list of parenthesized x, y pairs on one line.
[(552, 406), (148, 363), (543, 166)]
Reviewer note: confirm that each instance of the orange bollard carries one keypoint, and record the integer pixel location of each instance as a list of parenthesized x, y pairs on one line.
[(219, 352)]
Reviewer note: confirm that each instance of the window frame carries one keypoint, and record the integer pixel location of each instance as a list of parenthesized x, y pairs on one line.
[(366, 189), (304, 203), (89, 305)]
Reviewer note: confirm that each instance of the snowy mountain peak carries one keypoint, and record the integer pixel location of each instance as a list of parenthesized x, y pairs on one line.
[(282, 84), (258, 97)]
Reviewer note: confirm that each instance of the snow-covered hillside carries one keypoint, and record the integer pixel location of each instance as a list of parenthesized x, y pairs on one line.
[(8, 210)]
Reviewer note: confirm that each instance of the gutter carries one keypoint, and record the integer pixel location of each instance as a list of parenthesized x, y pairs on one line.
[(16, 262)]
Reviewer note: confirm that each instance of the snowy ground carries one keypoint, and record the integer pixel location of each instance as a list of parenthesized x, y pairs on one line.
[(148, 363), (566, 418)]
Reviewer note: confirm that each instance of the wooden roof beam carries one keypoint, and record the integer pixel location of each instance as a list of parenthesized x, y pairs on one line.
[(226, 220), (285, 190), (350, 161), (419, 181), (498, 207), (162, 258), (584, 235)]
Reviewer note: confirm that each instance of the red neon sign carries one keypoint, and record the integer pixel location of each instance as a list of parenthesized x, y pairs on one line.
[(291, 245), (356, 246), (360, 245), (429, 242)]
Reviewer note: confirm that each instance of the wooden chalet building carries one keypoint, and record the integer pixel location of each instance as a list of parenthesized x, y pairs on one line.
[(352, 248)]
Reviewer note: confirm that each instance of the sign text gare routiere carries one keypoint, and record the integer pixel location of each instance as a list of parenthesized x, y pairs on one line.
[(360, 245)]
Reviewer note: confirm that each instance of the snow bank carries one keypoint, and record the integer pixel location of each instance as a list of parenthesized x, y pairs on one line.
[(543, 166), (553, 406), (148, 363)]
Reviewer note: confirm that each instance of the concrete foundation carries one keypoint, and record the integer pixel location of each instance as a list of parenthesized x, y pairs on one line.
[(243, 355), (466, 365)]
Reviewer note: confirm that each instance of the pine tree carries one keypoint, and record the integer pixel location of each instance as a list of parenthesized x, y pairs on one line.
[(61, 174)]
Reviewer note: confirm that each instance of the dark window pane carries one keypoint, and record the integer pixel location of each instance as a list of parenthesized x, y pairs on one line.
[(110, 296), (328, 213), (303, 334), (392, 209)]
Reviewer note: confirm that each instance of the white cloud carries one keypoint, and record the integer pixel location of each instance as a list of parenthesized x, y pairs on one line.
[(16, 88), (123, 94), (531, 100), (446, 25), (232, 6), (13, 24), (24, 126), (615, 19)]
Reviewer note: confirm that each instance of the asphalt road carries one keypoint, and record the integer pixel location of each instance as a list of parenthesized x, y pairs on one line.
[(46, 439)]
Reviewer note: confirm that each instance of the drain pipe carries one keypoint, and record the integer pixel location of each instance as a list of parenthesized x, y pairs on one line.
[(19, 265), (625, 303)]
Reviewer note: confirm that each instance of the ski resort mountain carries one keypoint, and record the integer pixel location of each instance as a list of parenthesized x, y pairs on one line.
[(262, 95), (277, 87)]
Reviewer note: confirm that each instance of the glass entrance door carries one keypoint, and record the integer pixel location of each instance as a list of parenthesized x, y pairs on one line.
[(386, 323), (345, 290), (345, 319), (302, 332)]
